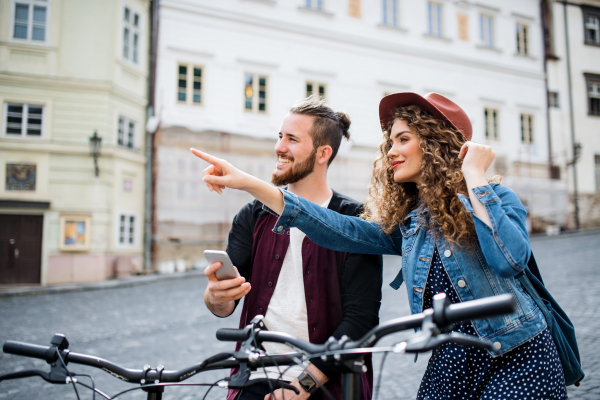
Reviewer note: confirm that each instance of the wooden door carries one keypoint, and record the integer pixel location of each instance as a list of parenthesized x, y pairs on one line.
[(20, 248)]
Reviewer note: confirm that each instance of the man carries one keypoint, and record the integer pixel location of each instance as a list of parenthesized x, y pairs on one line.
[(301, 288)]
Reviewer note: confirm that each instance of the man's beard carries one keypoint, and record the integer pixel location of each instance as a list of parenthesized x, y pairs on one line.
[(297, 172)]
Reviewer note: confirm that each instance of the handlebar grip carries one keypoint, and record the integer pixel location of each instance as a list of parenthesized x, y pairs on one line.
[(25, 349), (232, 335), (481, 308)]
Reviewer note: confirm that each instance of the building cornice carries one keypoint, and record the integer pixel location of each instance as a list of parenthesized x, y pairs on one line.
[(344, 37), (56, 147), (70, 84)]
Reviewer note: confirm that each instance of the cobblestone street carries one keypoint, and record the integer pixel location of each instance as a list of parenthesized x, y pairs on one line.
[(166, 323)]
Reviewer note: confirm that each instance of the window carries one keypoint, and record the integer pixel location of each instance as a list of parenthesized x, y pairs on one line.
[(486, 28), (131, 34), (553, 100), (597, 171), (463, 26), (30, 20), (255, 93), (593, 87), (591, 23), (316, 88), (390, 12), (126, 133), (189, 84), (522, 39), (24, 120), (434, 12), (526, 128), (315, 4), (126, 229), (491, 124)]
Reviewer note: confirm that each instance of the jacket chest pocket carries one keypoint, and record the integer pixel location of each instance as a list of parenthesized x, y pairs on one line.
[(409, 229)]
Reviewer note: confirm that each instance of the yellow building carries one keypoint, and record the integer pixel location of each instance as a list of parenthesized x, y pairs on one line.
[(68, 69)]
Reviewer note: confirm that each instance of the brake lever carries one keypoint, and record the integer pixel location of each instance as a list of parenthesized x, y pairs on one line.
[(29, 373), (276, 383), (431, 342)]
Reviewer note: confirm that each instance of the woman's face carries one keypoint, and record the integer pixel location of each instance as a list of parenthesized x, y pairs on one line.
[(405, 154)]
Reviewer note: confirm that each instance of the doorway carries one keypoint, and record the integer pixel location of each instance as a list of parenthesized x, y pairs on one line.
[(20, 249)]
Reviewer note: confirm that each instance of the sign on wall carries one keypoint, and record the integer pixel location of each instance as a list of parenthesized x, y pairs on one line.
[(20, 176)]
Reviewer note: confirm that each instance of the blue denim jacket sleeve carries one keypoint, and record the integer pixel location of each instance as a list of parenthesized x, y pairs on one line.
[(332, 230), (505, 245)]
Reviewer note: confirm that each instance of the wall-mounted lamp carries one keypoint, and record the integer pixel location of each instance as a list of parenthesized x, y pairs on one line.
[(95, 142)]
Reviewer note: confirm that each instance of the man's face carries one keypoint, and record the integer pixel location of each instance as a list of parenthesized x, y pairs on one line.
[(295, 152)]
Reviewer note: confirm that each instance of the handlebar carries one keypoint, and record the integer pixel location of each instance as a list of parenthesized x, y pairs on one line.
[(444, 317)]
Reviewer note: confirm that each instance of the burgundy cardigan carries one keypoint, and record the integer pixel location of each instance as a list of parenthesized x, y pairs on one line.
[(343, 290)]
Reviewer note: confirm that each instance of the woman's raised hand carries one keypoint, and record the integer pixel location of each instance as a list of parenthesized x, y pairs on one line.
[(477, 159), (220, 174)]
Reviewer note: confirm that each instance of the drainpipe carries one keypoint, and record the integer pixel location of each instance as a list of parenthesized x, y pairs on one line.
[(573, 163), (545, 33), (151, 127)]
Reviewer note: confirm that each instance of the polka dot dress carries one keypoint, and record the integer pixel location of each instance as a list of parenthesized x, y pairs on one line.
[(529, 372)]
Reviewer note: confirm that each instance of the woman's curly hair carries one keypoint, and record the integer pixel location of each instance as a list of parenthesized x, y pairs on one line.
[(441, 179)]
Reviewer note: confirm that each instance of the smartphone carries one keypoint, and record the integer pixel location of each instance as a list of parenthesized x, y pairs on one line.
[(227, 270)]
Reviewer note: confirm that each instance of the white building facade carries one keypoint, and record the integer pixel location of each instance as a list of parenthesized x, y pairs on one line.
[(573, 47), (228, 71)]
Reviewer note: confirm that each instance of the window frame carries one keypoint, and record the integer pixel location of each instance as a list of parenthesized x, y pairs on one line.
[(133, 30), (394, 13), (594, 12), (495, 123), (127, 121), (24, 117), (255, 93), (592, 79), (31, 4), (319, 85), (527, 128), (440, 19), (523, 40), (189, 88), (491, 40), (319, 5), (131, 239), (553, 99)]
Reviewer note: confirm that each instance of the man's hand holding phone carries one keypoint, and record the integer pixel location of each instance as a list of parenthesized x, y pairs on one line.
[(220, 295)]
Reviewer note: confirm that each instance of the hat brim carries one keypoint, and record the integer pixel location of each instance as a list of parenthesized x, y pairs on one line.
[(389, 103)]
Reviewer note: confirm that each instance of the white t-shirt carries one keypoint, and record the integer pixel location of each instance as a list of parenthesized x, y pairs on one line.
[(287, 308)]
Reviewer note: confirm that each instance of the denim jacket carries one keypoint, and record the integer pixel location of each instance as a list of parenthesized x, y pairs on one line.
[(489, 269)]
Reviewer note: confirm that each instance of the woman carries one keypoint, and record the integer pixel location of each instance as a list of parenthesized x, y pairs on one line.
[(431, 203)]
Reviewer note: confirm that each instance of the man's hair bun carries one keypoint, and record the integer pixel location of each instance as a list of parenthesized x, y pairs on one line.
[(344, 123)]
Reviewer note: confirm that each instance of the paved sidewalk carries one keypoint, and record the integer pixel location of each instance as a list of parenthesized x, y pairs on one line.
[(161, 319)]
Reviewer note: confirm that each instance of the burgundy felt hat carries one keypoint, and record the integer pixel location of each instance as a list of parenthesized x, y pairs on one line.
[(436, 104)]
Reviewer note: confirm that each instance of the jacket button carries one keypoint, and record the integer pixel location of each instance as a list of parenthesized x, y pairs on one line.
[(497, 345), (447, 253), (462, 283), (270, 284), (279, 228), (277, 256), (260, 309)]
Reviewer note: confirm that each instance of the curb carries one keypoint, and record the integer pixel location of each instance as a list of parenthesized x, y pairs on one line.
[(571, 233), (109, 284)]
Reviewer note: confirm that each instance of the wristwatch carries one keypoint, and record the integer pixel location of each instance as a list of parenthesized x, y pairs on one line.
[(307, 383)]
